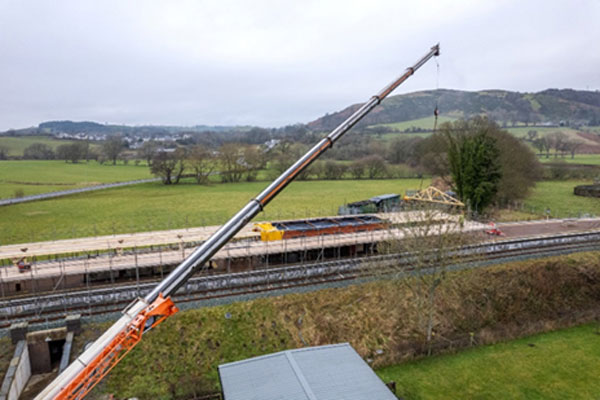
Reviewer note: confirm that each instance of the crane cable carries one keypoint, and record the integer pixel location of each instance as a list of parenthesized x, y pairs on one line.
[(436, 111)]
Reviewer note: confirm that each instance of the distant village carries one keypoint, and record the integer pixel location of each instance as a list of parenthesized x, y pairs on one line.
[(131, 141)]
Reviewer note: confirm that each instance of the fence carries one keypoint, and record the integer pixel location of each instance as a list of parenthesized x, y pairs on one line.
[(59, 193)]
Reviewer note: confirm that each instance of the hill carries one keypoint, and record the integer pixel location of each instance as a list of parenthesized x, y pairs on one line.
[(552, 106), (52, 128)]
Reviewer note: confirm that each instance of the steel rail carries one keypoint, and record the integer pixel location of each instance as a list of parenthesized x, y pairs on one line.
[(234, 284), (345, 273)]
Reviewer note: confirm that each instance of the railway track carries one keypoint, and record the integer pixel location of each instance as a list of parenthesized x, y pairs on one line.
[(45, 308)]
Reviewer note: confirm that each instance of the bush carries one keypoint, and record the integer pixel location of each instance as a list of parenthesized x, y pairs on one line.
[(38, 151), (333, 170), (519, 166), (560, 170)]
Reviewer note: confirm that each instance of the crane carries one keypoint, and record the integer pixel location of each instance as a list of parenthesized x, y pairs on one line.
[(144, 314)]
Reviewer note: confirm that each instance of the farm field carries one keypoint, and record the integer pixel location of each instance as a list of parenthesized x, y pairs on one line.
[(16, 145), (556, 365), (521, 131), (422, 123), (33, 177), (404, 135), (559, 198), (588, 159), (153, 206)]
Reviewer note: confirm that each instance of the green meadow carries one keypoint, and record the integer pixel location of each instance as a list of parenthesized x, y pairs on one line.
[(33, 177), (421, 123), (17, 145), (558, 196), (154, 206), (557, 365), (586, 159)]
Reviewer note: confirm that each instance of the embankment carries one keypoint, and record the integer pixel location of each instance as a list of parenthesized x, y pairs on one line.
[(382, 320)]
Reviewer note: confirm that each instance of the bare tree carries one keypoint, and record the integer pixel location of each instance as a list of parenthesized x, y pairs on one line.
[(254, 160), (3, 153), (231, 161), (169, 165), (38, 151), (72, 152), (557, 141), (316, 169), (357, 169), (429, 238), (572, 145), (147, 150), (334, 170), (375, 166), (202, 161), (541, 144), (112, 147), (180, 155)]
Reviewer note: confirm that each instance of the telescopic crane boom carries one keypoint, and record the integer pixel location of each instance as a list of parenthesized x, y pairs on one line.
[(144, 314)]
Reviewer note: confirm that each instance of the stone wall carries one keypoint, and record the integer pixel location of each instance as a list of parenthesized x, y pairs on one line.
[(18, 373)]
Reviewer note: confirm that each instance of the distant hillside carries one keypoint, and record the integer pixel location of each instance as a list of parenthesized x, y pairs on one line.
[(94, 128), (548, 106), (88, 127), (574, 107)]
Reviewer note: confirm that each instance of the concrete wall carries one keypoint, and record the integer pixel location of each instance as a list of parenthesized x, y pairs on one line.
[(39, 348), (18, 373), (66, 355)]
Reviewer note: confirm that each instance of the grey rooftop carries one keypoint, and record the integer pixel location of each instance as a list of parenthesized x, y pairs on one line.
[(333, 372)]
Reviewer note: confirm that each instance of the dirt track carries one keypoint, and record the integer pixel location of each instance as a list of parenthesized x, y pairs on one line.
[(548, 227)]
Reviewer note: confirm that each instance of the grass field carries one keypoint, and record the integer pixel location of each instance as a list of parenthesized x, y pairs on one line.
[(16, 145), (557, 365), (33, 177), (521, 131), (404, 135), (589, 159), (559, 198), (155, 206), (423, 123)]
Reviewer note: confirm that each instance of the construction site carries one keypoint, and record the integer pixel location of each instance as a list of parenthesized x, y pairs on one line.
[(51, 290)]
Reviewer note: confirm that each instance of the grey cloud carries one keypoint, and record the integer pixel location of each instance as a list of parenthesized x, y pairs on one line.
[(272, 62)]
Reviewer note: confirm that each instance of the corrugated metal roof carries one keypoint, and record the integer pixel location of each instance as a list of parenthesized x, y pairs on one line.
[(382, 197), (334, 372)]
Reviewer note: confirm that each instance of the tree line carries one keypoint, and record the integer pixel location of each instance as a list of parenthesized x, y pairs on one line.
[(73, 152), (481, 162), (557, 141)]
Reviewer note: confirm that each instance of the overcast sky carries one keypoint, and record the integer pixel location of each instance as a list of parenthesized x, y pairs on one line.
[(273, 63)]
